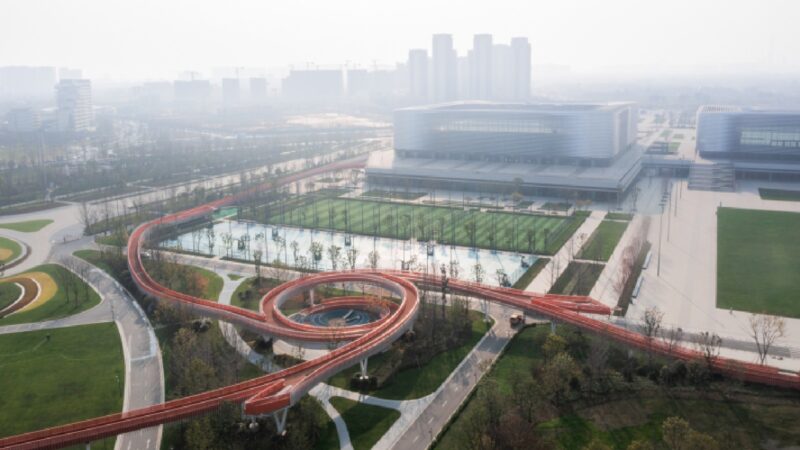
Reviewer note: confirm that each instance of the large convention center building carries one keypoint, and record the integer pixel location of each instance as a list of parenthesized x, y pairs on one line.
[(585, 150), (758, 143)]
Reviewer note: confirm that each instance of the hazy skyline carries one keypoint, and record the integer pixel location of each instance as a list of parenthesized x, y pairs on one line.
[(150, 39)]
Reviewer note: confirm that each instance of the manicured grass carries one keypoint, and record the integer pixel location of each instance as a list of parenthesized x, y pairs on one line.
[(30, 226), (366, 424), (401, 195), (253, 303), (94, 257), (30, 207), (419, 381), (530, 273), (210, 282), (447, 225), (9, 293), (602, 242), (114, 239), (758, 256), (58, 306), (102, 193), (560, 206), (77, 374), (9, 246), (234, 277), (779, 194), (619, 216), (577, 279)]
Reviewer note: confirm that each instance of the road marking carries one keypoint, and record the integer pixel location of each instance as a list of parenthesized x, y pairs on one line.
[(430, 420), (444, 403), (415, 439)]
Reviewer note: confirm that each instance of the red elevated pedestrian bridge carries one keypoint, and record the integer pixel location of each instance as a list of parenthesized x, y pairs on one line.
[(275, 392)]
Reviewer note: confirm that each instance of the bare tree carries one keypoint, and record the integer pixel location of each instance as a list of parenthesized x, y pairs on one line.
[(672, 337), (651, 322), (765, 330), (373, 258), (709, 344)]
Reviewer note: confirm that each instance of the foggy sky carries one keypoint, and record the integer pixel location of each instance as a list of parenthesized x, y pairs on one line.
[(131, 39)]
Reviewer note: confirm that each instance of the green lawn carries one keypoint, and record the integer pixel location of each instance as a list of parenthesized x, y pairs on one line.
[(29, 226), (9, 292), (577, 279), (619, 216), (758, 256), (419, 381), (209, 281), (531, 273), (779, 194), (447, 225), (58, 306), (9, 244), (366, 424), (401, 195), (77, 374), (94, 257), (602, 242)]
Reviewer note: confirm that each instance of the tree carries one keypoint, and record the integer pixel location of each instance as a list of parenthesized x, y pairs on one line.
[(352, 257), (709, 344), (295, 251), (553, 345), (640, 445), (373, 258), (765, 330), (672, 337), (257, 263), (651, 323), (596, 444), (333, 254), (557, 377), (675, 432)]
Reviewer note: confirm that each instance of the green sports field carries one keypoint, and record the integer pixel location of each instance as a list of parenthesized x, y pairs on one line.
[(527, 233), (758, 258)]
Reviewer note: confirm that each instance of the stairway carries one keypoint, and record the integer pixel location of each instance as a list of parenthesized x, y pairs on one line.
[(712, 177)]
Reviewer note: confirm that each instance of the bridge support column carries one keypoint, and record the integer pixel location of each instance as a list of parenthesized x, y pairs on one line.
[(363, 365), (311, 297), (280, 419), (88, 446), (553, 327)]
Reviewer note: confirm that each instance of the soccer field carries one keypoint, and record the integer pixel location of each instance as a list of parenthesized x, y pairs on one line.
[(526, 233), (758, 257)]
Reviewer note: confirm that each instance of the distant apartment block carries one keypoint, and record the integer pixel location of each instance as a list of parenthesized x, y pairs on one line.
[(74, 103), (24, 120)]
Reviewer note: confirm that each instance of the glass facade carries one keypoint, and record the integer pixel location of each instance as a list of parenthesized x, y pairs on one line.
[(735, 133), (516, 132)]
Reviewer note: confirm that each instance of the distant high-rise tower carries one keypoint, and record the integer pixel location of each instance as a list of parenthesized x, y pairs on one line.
[(521, 68), (502, 73), (65, 73), (444, 68), (418, 74), (74, 100), (481, 63), (230, 91)]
